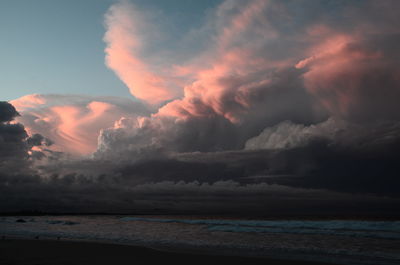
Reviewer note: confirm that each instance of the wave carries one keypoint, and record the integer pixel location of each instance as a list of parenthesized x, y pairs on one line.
[(378, 229)]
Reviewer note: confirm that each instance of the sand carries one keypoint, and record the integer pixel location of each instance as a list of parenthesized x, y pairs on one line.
[(46, 252)]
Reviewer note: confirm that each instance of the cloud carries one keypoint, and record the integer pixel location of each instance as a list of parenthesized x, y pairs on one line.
[(235, 85), (73, 123), (74, 193), (155, 136), (287, 134), (289, 104), (12, 136), (298, 67), (7, 112), (232, 77), (39, 140), (356, 78), (127, 30), (296, 179), (15, 144), (334, 154)]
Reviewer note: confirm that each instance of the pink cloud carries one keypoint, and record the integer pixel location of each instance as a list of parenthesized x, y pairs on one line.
[(123, 55), (28, 101), (72, 123), (345, 72), (231, 71), (261, 64), (221, 83)]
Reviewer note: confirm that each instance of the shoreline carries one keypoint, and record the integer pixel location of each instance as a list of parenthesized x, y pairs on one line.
[(46, 251), (287, 217)]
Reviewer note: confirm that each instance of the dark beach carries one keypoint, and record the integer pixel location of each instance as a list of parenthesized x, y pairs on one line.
[(46, 252)]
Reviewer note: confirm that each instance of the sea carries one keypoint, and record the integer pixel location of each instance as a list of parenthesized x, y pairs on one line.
[(332, 241)]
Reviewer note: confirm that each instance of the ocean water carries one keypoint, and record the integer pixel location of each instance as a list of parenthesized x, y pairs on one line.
[(335, 241)]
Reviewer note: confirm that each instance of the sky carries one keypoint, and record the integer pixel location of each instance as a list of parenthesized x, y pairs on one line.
[(236, 107), (56, 47)]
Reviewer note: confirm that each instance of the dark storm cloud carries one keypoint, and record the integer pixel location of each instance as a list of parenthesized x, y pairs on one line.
[(39, 140), (314, 172), (13, 148), (334, 154), (7, 112), (315, 175), (15, 144), (77, 193)]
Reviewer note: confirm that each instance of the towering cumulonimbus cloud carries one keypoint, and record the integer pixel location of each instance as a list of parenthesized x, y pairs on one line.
[(285, 104), (266, 63), (234, 85), (235, 76), (222, 82)]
